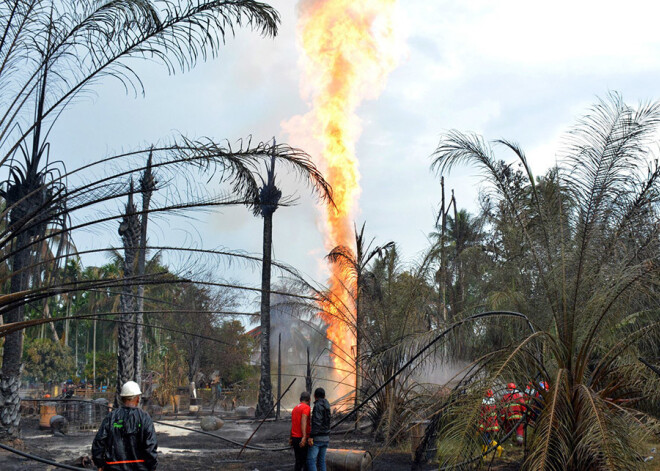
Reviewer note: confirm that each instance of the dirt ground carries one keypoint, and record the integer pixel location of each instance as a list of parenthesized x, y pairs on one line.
[(189, 451)]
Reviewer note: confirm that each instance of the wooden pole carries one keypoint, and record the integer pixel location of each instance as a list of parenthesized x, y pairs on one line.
[(279, 374), (308, 377), (443, 257)]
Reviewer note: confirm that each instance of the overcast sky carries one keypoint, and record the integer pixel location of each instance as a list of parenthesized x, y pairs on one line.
[(508, 69)]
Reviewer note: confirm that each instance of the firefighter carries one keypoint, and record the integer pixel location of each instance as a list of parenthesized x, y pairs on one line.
[(488, 423), (531, 401), (513, 409)]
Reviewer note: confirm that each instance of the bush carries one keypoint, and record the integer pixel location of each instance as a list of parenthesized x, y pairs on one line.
[(46, 360)]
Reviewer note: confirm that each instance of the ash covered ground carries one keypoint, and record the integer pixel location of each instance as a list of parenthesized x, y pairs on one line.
[(185, 450)]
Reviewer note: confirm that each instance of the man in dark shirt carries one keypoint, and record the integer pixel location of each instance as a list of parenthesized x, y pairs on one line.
[(126, 440), (300, 431), (320, 434)]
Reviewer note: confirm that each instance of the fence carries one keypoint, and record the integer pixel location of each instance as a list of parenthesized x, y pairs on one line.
[(81, 414)]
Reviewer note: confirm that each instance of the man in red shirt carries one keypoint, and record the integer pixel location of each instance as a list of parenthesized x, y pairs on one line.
[(300, 428)]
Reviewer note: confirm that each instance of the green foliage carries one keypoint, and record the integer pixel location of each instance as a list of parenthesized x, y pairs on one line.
[(106, 367), (232, 358), (169, 368), (47, 361), (578, 252)]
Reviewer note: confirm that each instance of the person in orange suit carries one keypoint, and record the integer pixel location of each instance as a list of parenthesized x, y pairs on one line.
[(489, 423), (513, 408)]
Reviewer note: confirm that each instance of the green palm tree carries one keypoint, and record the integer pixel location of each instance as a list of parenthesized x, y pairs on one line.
[(591, 252)]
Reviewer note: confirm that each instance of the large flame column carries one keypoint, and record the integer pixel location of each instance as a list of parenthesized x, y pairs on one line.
[(350, 47)]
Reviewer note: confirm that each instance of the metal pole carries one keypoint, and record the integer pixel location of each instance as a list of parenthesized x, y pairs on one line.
[(308, 378), (443, 257), (279, 374), (358, 341), (94, 356), (264, 419)]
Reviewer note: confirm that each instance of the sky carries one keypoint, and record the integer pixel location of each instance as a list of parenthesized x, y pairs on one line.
[(519, 70)]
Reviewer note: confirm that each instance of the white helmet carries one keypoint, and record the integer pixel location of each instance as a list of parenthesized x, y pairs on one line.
[(130, 388)]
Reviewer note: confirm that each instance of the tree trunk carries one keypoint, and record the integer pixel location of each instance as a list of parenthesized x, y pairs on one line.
[(53, 330), (94, 356), (147, 186), (265, 402), (75, 356), (125, 339), (443, 256), (65, 336), (10, 377), (458, 242), (129, 230)]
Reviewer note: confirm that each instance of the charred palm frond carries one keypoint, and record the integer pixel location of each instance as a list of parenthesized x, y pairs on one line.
[(81, 42)]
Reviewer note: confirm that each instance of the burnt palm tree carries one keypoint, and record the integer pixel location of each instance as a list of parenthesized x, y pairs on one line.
[(35, 201), (77, 43), (129, 230), (268, 201), (147, 187), (269, 197)]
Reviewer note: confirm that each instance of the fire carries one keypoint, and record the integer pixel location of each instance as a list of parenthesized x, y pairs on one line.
[(350, 47)]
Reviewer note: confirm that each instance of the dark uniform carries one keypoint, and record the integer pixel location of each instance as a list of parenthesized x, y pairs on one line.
[(321, 434), (126, 441)]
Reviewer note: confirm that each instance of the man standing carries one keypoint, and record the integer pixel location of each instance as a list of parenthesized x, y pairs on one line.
[(217, 393), (320, 434), (126, 440), (300, 431)]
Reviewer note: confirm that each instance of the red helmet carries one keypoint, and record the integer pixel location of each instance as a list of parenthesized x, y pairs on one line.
[(489, 393), (511, 386)]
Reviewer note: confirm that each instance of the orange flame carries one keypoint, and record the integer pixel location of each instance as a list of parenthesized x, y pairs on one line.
[(350, 48)]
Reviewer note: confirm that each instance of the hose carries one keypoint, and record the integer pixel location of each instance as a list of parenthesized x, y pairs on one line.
[(40, 459)]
